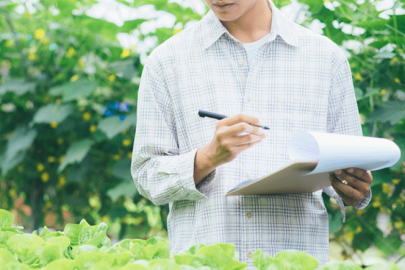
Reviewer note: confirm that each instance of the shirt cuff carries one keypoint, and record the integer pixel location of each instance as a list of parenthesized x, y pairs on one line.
[(363, 203), (186, 174)]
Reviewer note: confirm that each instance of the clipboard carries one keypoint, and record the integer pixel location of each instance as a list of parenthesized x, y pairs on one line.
[(289, 179)]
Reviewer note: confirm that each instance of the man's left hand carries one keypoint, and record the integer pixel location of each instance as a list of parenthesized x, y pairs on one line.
[(354, 183)]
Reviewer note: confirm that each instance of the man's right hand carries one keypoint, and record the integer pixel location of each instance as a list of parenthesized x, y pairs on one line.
[(227, 143)]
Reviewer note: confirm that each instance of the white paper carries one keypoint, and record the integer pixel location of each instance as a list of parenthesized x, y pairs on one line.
[(336, 151)]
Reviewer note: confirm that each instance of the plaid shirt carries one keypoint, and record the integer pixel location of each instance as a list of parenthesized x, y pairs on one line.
[(298, 80)]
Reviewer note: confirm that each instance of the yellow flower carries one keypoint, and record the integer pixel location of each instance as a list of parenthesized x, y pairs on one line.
[(54, 124), (51, 159), (395, 181), (32, 56), (116, 157), (358, 229), (397, 80), (71, 51), (60, 141), (383, 92), (61, 158), (82, 63), (45, 177), (350, 235), (45, 41), (393, 61), (358, 76), (360, 212), (12, 192), (58, 101), (125, 53), (48, 205), (74, 78), (385, 188), (398, 224), (93, 128), (376, 204), (129, 155), (20, 168), (176, 31), (40, 167), (126, 142), (9, 43), (86, 116), (39, 33), (111, 78), (62, 180)]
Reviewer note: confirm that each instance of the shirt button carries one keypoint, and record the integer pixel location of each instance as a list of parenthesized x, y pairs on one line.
[(249, 215), (248, 175), (241, 62), (249, 254), (249, 99)]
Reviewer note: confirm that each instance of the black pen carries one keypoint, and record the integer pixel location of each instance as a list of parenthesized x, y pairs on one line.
[(202, 113)]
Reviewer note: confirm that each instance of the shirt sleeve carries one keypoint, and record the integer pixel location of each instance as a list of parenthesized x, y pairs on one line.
[(343, 116), (160, 173)]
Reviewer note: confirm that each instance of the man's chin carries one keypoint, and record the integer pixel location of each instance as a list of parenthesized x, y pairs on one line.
[(226, 17)]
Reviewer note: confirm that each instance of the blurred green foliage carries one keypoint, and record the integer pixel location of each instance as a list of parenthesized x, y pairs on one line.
[(68, 94)]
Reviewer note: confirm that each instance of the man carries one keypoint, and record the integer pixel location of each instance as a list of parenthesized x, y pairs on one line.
[(244, 59)]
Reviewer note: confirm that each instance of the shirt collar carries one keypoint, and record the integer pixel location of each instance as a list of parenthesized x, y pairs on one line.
[(213, 29)]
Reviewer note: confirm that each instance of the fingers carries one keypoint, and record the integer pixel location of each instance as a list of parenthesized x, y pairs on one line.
[(353, 181), (243, 127), (244, 139), (232, 120), (348, 200), (352, 191), (361, 174)]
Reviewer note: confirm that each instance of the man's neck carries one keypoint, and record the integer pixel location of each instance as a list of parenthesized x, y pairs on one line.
[(253, 25)]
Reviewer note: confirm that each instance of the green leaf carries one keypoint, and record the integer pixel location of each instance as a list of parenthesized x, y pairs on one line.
[(62, 264), (335, 222), (6, 218), (165, 264), (127, 189), (121, 169), (388, 245), (346, 265), (73, 90), (259, 261), (72, 231), (76, 153), (27, 247), (17, 86), (87, 260), (124, 68), (50, 253), (52, 113), (293, 259), (383, 266), (400, 141), (4, 236), (21, 141), (392, 111), (8, 164), (381, 176), (62, 241), (5, 258), (111, 126)]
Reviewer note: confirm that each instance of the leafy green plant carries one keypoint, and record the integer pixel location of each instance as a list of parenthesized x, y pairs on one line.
[(81, 247)]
